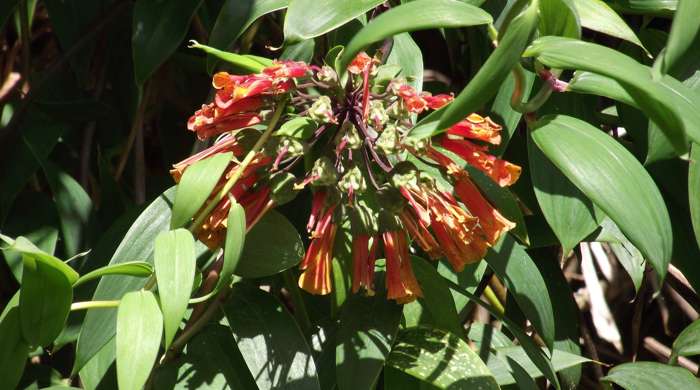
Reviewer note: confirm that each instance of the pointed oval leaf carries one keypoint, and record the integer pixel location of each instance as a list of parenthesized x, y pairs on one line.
[(212, 354), (651, 376), (688, 342), (416, 15), (140, 269), (441, 359), (368, 327), (234, 18), (436, 306), (684, 36), (195, 187), (270, 340), (158, 29), (598, 16), (235, 240), (13, 348), (264, 257), (307, 19), (44, 302), (175, 265), (568, 212), (245, 62), (407, 55), (559, 17), (139, 330), (99, 325), (561, 360), (27, 248), (666, 101), (515, 267), (613, 179), (484, 85), (595, 84)]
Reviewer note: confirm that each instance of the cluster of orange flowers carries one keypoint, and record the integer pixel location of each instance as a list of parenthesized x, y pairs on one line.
[(362, 170)]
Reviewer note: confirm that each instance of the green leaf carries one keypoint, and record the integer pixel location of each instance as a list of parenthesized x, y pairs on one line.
[(100, 325), (484, 85), (687, 343), (598, 16), (694, 189), (499, 365), (441, 359), (595, 84), (100, 372), (368, 327), (139, 330), (158, 29), (667, 102), (262, 256), (13, 348), (684, 38), (627, 254), (302, 51), (6, 9), (235, 240), (234, 18), (270, 341), (568, 212), (436, 305), (140, 269), (175, 264), (307, 19), (503, 113), (559, 17), (646, 7), (407, 55), (46, 294), (301, 127), (195, 187), (211, 354), (412, 16), (245, 62), (468, 279), (651, 376), (27, 249), (513, 265), (613, 179)]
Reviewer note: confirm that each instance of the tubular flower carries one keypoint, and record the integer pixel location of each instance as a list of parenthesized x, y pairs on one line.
[(354, 131)]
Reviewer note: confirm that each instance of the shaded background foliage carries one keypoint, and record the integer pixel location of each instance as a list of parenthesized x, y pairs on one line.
[(95, 99)]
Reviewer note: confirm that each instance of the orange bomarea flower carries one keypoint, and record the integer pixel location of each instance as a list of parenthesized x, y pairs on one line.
[(491, 222), (317, 263), (287, 69), (401, 283), (211, 121), (226, 144), (479, 128), (363, 258), (361, 63), (417, 102), (502, 172)]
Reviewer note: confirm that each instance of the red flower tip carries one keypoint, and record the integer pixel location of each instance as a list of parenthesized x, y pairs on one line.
[(363, 258), (361, 63), (401, 283), (316, 278)]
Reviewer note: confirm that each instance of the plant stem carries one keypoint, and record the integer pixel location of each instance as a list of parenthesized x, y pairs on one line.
[(94, 305), (26, 43), (493, 300), (241, 168), (300, 312)]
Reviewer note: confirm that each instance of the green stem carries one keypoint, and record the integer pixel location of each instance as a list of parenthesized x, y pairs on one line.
[(94, 305), (241, 168), (26, 41), (300, 311), (493, 300)]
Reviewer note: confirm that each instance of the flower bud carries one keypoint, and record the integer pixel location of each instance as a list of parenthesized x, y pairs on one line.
[(292, 145), (388, 141), (327, 75), (353, 181), (321, 110), (377, 113), (416, 144), (324, 172), (353, 138)]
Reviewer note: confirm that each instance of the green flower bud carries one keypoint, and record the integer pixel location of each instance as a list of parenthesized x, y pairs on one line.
[(327, 74), (417, 144), (388, 141), (293, 145), (353, 137), (321, 110), (353, 180), (377, 113), (324, 171)]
